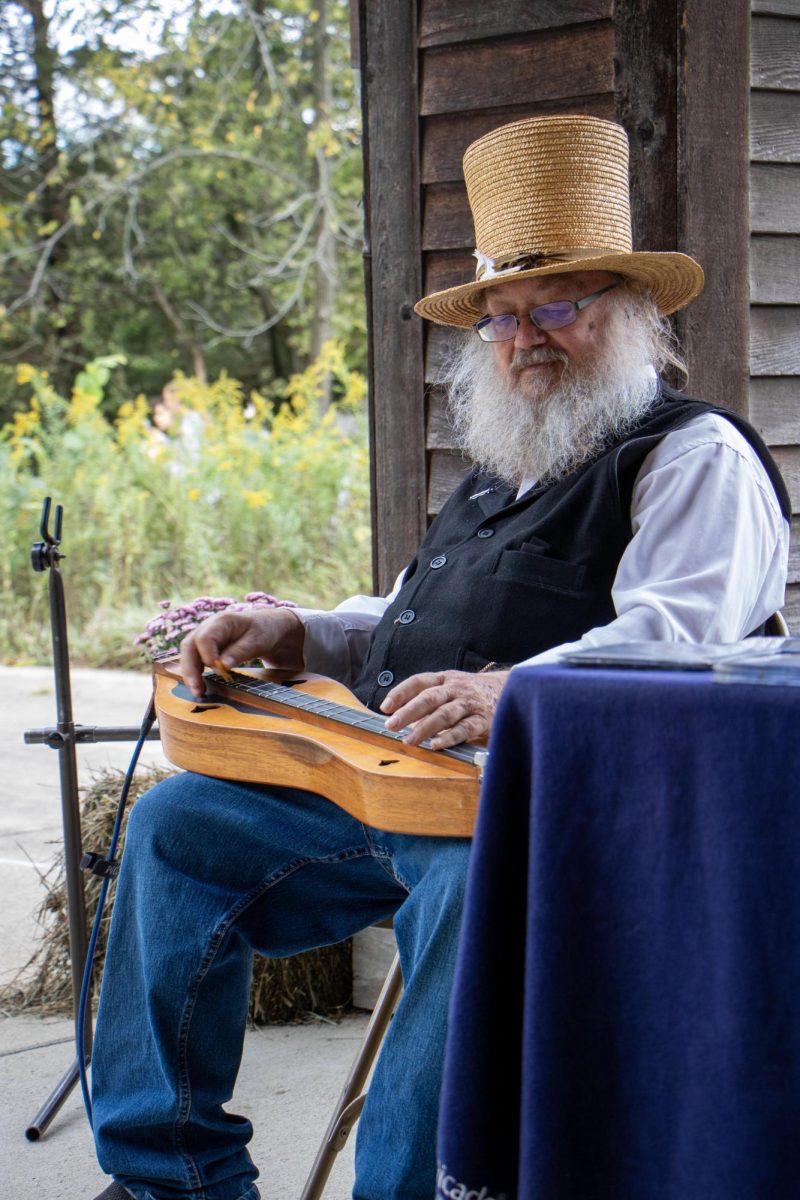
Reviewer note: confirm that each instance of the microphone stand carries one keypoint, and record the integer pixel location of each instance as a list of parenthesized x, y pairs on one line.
[(45, 556)]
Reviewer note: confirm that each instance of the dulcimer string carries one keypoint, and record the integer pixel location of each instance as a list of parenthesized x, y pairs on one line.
[(340, 714)]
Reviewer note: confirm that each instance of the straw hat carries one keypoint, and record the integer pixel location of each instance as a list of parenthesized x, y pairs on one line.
[(550, 195)]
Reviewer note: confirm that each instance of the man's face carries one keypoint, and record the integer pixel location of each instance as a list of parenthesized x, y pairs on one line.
[(583, 342), (543, 402)]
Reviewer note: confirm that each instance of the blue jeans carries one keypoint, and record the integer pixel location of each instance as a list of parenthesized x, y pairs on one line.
[(213, 871)]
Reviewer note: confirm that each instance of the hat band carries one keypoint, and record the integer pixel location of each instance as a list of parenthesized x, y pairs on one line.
[(487, 267), (491, 268)]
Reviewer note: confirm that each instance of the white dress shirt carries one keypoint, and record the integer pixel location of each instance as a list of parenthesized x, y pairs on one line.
[(707, 561)]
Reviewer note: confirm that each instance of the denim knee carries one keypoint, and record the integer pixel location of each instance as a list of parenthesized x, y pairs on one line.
[(185, 816), (159, 807), (176, 833)]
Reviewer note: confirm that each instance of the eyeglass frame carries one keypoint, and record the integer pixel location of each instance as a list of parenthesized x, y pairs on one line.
[(577, 306)]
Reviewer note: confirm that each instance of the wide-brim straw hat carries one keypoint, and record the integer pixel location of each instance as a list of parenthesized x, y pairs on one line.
[(550, 195)]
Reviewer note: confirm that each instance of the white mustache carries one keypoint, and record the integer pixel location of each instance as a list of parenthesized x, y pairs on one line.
[(536, 355)]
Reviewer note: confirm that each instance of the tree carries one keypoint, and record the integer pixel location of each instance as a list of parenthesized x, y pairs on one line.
[(189, 200)]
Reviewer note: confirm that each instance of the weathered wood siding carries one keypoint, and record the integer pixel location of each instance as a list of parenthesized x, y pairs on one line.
[(775, 249)]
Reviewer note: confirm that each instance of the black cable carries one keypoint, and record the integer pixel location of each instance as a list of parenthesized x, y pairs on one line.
[(107, 869)]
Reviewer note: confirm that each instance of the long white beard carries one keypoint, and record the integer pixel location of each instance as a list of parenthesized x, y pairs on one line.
[(545, 431)]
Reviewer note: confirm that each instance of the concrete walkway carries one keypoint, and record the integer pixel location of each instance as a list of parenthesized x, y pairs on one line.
[(291, 1075)]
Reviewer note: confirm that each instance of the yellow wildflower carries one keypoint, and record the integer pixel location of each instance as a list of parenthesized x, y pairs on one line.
[(25, 373), (83, 405), (131, 420), (24, 423), (257, 499)]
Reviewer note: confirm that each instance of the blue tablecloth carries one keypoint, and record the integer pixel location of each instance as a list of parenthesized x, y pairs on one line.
[(625, 1022)]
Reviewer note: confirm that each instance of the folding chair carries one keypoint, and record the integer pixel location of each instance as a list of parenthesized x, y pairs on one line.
[(776, 626), (353, 1095)]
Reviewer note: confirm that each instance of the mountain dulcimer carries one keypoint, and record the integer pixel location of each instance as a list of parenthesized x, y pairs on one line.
[(312, 733)]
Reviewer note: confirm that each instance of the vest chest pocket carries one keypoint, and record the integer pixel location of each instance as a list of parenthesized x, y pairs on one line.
[(539, 571)]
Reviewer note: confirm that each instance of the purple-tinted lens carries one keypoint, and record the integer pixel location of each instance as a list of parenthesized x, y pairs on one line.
[(498, 329), (555, 315)]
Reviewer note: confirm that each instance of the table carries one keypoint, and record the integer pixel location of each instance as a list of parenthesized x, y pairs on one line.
[(625, 1020)]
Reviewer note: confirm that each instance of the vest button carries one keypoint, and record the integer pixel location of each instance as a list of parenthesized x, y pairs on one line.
[(439, 561), (385, 678), (407, 616), (485, 533)]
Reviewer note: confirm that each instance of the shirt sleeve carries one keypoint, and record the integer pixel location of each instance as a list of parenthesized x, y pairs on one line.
[(336, 642), (708, 558)]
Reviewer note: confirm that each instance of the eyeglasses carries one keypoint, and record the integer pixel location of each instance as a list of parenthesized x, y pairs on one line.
[(554, 315)]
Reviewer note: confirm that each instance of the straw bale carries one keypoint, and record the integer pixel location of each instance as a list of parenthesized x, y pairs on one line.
[(284, 991)]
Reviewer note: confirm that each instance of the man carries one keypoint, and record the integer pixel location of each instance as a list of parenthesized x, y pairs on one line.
[(605, 507)]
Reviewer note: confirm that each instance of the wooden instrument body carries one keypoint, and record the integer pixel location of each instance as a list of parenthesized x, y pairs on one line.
[(251, 739)]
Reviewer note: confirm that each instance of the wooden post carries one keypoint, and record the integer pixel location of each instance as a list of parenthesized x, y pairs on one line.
[(681, 91), (714, 217), (394, 283), (645, 96)]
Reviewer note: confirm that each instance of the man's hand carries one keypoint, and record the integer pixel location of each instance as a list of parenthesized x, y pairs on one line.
[(275, 634), (446, 706)]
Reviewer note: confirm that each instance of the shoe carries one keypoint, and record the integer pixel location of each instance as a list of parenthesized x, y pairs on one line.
[(114, 1191)]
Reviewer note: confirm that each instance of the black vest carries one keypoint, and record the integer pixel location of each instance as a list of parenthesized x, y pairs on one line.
[(498, 579)]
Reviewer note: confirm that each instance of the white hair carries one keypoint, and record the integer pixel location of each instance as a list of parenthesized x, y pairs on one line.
[(546, 431)]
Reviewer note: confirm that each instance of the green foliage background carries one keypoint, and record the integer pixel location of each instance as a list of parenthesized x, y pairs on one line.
[(178, 183), (239, 496), (179, 199)]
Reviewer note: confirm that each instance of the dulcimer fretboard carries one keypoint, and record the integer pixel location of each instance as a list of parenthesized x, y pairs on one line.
[(339, 714)]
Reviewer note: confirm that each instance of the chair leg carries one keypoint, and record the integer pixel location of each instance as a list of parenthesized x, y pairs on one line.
[(352, 1098), (776, 626)]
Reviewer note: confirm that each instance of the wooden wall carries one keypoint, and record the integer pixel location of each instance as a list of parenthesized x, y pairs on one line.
[(438, 73), (775, 249)]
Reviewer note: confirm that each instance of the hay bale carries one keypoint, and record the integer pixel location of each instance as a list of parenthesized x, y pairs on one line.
[(318, 983)]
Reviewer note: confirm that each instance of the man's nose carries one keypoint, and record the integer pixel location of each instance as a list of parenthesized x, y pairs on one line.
[(528, 334)]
